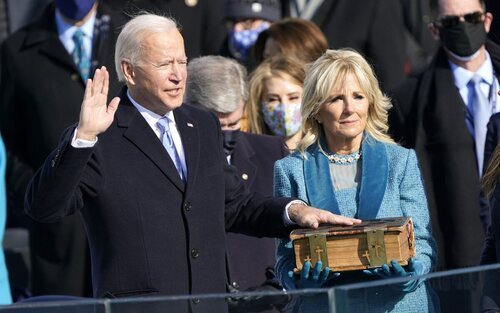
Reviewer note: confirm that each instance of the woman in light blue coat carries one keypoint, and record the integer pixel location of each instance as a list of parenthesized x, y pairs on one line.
[(5, 297), (347, 164)]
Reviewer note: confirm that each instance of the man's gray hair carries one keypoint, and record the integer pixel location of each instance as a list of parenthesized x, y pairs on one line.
[(129, 42), (216, 83)]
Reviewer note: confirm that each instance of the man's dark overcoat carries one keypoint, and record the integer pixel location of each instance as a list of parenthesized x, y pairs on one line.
[(40, 95), (149, 233)]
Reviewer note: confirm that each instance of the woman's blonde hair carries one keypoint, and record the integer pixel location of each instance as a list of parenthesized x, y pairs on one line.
[(330, 71), (286, 68), (492, 173)]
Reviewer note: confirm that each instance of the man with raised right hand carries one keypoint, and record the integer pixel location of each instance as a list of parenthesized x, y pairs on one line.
[(151, 181)]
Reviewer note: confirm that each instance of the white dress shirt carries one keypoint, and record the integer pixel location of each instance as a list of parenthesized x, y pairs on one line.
[(463, 76), (66, 32)]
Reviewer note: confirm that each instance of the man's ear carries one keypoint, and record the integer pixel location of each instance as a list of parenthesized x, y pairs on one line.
[(488, 19), (128, 71), (433, 30)]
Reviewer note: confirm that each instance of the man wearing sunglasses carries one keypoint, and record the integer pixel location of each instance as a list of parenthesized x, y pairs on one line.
[(442, 114)]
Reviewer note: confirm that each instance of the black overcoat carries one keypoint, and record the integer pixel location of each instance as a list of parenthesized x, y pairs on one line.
[(429, 116), (40, 95), (149, 233), (373, 28), (249, 257)]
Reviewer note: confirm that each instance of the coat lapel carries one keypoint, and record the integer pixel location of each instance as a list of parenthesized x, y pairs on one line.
[(319, 185), (446, 101), (373, 184), (374, 173), (494, 51), (44, 34), (143, 137)]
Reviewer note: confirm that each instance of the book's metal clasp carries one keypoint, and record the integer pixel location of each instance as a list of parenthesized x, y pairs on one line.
[(376, 253), (317, 249)]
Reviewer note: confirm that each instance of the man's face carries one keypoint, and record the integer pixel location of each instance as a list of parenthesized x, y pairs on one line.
[(231, 121), (459, 8), (158, 80)]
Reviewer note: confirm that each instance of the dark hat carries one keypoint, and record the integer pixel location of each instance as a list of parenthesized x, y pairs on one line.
[(256, 9)]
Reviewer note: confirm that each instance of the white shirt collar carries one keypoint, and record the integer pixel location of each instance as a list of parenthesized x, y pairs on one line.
[(463, 76), (67, 30), (151, 117)]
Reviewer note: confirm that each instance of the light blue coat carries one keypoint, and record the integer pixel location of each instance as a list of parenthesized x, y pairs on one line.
[(390, 186), (5, 297)]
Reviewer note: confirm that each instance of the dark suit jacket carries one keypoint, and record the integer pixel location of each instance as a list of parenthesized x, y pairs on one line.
[(201, 24), (148, 232), (491, 209), (491, 253), (249, 257), (22, 12), (429, 116), (373, 28), (40, 95)]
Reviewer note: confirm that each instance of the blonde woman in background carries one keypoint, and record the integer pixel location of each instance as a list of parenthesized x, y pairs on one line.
[(275, 97)]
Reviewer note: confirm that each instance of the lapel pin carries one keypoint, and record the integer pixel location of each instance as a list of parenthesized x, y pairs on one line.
[(190, 125), (244, 176)]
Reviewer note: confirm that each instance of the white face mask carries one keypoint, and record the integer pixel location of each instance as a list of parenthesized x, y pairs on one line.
[(283, 119)]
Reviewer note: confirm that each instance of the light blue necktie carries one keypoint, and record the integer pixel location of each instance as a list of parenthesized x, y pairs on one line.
[(481, 112), (168, 143), (80, 55)]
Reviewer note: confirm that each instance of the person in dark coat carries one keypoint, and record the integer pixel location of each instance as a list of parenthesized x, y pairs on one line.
[(492, 140), (40, 94), (433, 114), (491, 251), (373, 28), (253, 156), (492, 137), (201, 21), (151, 181)]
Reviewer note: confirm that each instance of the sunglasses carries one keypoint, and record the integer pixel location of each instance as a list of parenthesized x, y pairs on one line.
[(453, 20)]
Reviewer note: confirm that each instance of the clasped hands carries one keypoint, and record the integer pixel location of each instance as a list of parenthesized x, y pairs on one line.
[(318, 276), (314, 279), (394, 270)]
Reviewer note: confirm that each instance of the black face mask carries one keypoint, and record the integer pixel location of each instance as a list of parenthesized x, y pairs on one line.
[(230, 138), (463, 39)]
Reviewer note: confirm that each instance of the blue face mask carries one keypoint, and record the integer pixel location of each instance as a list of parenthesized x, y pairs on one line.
[(74, 9), (240, 42)]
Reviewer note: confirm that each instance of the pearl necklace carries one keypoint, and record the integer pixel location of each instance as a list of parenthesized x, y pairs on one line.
[(342, 159)]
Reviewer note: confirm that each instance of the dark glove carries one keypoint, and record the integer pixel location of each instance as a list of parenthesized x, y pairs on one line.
[(314, 279), (415, 268)]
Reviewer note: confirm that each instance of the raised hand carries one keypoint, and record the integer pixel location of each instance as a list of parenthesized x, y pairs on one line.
[(95, 115), (306, 216)]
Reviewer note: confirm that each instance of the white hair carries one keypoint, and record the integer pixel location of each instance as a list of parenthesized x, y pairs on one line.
[(216, 83), (129, 42)]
